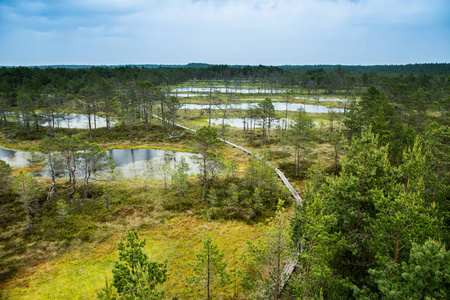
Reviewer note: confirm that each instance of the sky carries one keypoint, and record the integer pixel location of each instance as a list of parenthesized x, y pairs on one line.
[(234, 32)]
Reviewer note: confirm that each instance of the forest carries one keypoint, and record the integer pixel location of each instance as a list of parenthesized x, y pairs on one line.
[(130, 182)]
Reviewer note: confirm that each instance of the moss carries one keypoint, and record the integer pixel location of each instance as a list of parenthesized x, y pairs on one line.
[(76, 226), (80, 272)]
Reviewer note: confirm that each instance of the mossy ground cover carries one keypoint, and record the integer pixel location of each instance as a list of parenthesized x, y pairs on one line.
[(280, 152), (73, 259), (14, 136), (135, 203), (81, 272)]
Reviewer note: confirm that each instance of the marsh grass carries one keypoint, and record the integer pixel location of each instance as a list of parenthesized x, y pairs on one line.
[(137, 203), (81, 271), (71, 259)]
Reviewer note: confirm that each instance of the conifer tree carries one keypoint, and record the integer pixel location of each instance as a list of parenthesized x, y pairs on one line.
[(134, 276), (369, 216), (206, 140), (300, 135), (425, 275), (209, 270), (317, 245), (268, 256), (179, 177)]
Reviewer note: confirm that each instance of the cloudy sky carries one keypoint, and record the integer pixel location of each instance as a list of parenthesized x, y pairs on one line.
[(268, 32)]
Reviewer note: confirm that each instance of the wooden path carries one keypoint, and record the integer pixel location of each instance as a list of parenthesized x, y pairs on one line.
[(292, 263), (298, 200)]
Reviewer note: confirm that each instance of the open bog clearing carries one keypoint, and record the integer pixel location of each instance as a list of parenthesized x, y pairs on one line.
[(81, 272)]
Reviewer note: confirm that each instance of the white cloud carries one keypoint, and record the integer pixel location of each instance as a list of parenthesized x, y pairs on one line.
[(224, 31)]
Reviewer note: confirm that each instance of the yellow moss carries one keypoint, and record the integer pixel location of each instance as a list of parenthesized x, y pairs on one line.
[(80, 273)]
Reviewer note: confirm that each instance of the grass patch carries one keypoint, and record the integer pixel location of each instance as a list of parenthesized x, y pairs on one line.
[(80, 273)]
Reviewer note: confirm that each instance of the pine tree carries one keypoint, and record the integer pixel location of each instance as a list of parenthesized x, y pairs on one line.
[(371, 214), (93, 158), (425, 275), (402, 216), (165, 170), (437, 175), (268, 256), (300, 135), (206, 140), (134, 276), (317, 245), (179, 177), (366, 174), (209, 270)]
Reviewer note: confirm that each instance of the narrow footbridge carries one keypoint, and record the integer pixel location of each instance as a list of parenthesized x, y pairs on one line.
[(290, 265)]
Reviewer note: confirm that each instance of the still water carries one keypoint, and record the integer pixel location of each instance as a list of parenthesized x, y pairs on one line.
[(79, 122), (184, 95), (239, 122), (324, 99), (279, 106), (15, 158), (147, 163), (130, 163), (227, 90)]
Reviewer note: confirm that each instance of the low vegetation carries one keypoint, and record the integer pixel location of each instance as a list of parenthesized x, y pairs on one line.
[(374, 182)]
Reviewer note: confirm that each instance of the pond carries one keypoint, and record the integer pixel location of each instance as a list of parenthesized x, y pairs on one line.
[(146, 163), (239, 122), (279, 106), (15, 158), (227, 90), (324, 99), (130, 163), (79, 121), (184, 95)]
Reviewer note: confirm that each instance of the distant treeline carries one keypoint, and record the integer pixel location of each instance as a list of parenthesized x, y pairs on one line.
[(323, 79), (430, 68), (437, 68)]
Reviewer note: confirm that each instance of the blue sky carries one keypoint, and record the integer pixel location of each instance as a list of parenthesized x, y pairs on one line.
[(268, 32)]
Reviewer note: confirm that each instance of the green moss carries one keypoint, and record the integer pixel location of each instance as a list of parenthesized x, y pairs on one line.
[(81, 272)]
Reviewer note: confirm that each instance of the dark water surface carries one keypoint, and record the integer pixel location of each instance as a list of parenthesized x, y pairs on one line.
[(130, 163)]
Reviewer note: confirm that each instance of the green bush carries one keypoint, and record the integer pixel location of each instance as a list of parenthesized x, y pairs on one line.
[(76, 226)]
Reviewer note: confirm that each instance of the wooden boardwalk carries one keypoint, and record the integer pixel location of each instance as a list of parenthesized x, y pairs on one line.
[(292, 263), (298, 200)]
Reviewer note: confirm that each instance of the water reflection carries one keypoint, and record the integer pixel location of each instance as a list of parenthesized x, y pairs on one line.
[(239, 122), (146, 163), (184, 95), (324, 99), (79, 122), (279, 106), (130, 163), (228, 90), (15, 158)]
